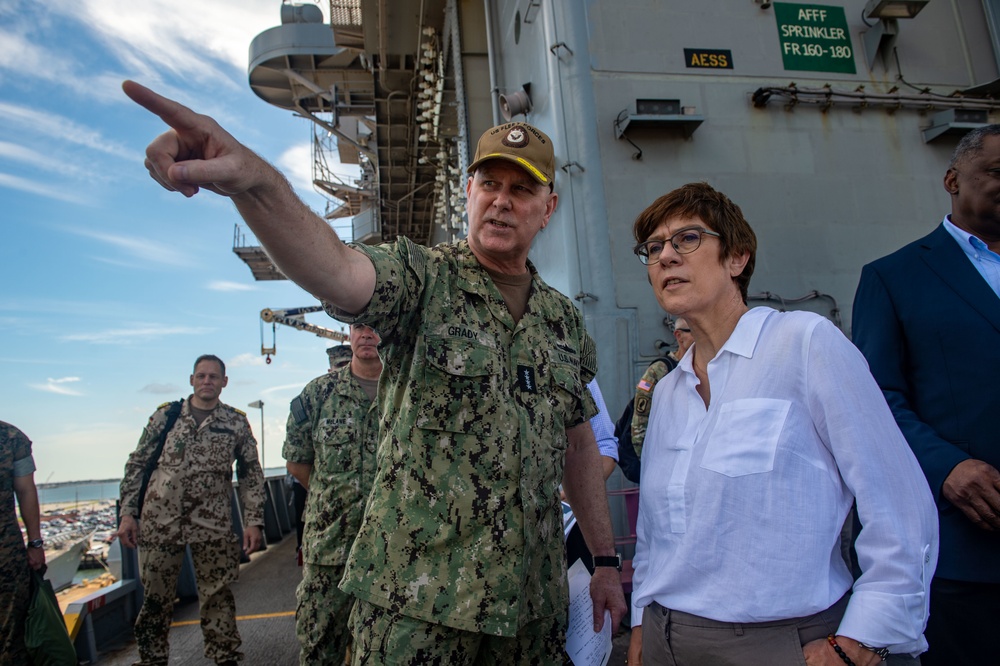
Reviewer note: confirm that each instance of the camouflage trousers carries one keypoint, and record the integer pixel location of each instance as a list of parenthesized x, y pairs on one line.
[(384, 638), (216, 565), (15, 584), (321, 616)]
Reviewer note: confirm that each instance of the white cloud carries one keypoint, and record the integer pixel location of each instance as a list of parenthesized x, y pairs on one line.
[(58, 386), (32, 361), (23, 154), (139, 248), (245, 361), (225, 285), (24, 307), (160, 389), (42, 189), (135, 333), (296, 164), (46, 161), (64, 129), (275, 390), (25, 47), (180, 56), (201, 43), (44, 45)]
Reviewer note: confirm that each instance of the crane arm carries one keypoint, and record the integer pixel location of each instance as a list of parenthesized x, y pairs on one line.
[(295, 317)]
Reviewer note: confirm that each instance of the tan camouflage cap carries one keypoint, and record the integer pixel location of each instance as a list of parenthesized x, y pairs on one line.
[(520, 143)]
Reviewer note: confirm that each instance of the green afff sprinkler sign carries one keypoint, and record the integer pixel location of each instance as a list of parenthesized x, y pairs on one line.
[(814, 38)]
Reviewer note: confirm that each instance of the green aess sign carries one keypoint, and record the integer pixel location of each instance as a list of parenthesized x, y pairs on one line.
[(814, 38)]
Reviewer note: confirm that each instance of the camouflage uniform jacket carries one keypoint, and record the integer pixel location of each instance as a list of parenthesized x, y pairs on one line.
[(656, 371), (188, 498), (464, 526), (338, 438), (14, 445)]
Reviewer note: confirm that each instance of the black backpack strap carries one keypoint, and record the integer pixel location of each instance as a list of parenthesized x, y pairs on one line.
[(627, 458), (172, 413), (301, 412)]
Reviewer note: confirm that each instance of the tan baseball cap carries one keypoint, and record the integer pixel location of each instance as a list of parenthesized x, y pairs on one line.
[(520, 143)]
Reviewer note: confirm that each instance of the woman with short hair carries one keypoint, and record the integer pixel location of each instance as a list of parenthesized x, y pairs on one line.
[(758, 445)]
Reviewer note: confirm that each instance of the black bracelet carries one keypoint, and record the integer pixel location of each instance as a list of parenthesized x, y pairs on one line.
[(840, 651)]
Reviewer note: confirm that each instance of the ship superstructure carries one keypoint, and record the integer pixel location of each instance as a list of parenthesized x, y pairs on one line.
[(830, 122)]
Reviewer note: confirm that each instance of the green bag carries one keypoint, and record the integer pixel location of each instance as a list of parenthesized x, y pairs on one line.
[(45, 633)]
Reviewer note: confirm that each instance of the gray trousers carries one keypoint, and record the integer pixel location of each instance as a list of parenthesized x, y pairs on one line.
[(674, 638)]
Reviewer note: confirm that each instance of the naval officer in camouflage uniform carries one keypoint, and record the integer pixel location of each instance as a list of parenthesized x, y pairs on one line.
[(17, 477), (330, 448), (483, 407), (188, 502)]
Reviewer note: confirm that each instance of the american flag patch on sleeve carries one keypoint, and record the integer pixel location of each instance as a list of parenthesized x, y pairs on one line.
[(644, 385)]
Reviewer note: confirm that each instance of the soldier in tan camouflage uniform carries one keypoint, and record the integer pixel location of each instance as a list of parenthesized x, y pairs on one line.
[(482, 403), (330, 448), (188, 502), (17, 469)]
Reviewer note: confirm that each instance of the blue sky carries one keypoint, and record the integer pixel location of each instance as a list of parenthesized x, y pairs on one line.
[(111, 286)]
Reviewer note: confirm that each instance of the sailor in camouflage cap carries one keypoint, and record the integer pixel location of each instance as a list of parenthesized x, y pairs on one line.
[(329, 447), (188, 501), (483, 406)]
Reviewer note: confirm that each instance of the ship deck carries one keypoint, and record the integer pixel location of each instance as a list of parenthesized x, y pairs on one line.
[(265, 615)]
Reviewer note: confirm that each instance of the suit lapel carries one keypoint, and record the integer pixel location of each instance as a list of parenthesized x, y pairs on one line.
[(946, 259)]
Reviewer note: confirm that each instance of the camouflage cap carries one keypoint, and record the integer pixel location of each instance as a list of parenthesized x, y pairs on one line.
[(520, 143), (340, 355)]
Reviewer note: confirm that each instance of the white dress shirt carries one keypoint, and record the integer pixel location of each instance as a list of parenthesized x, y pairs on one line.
[(602, 425), (741, 505)]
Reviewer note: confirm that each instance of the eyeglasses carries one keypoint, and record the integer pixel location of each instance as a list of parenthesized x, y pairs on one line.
[(684, 241)]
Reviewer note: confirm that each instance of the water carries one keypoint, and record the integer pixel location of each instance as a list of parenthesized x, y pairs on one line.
[(107, 489), (82, 491), (87, 573)]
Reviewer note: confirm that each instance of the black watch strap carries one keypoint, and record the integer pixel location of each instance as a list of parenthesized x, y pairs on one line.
[(36, 543), (880, 651), (608, 561)]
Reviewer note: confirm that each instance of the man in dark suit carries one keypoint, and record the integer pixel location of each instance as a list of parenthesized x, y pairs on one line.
[(927, 317)]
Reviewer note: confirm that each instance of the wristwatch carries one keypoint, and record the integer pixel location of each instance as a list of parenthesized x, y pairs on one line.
[(36, 543), (882, 652), (608, 561)]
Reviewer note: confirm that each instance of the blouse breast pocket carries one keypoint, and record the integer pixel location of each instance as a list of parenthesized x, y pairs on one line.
[(339, 447), (745, 437), (459, 391)]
